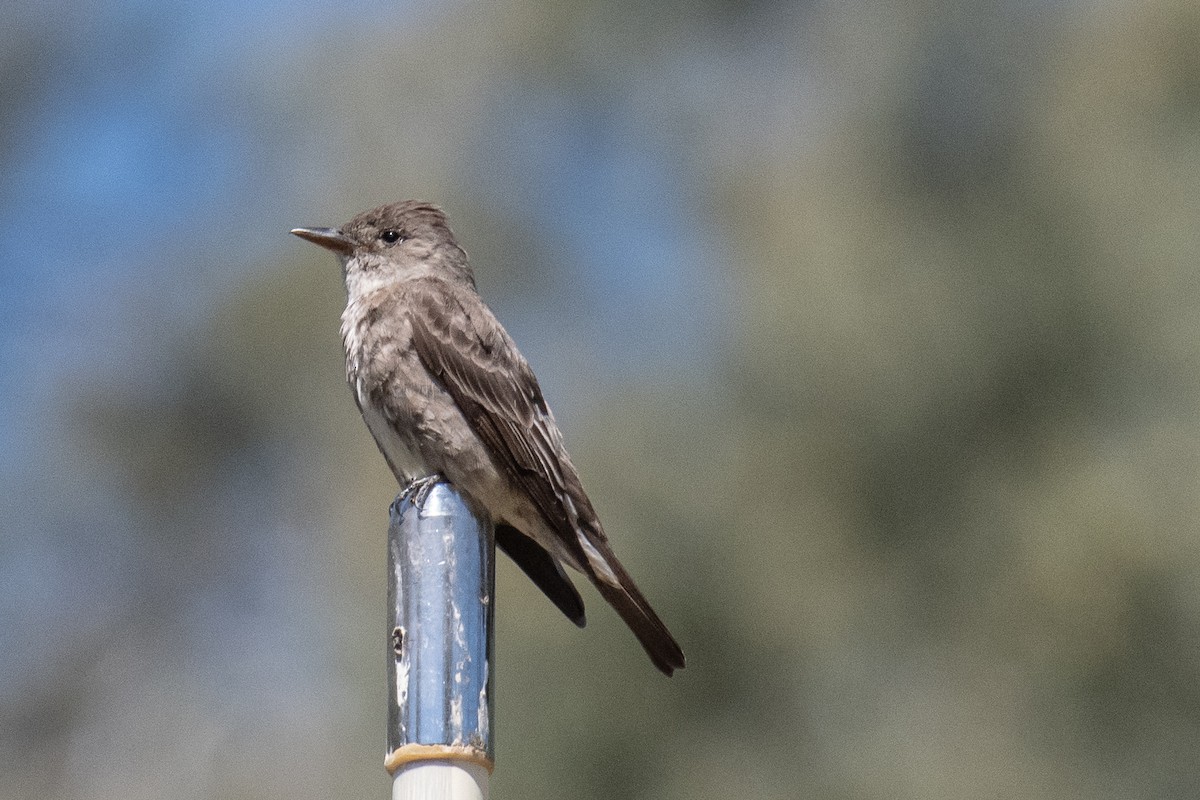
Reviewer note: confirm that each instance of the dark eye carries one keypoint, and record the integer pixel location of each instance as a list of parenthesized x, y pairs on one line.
[(391, 236)]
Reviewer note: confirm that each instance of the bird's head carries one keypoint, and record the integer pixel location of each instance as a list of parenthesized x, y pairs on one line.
[(393, 243)]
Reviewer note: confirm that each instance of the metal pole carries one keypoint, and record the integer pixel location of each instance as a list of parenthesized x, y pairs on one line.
[(441, 580)]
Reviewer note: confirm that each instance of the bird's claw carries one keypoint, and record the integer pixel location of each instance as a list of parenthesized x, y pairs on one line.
[(418, 490)]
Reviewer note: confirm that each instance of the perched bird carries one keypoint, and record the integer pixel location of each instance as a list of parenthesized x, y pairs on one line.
[(444, 391)]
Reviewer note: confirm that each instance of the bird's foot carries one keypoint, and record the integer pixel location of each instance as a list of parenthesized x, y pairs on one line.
[(418, 490)]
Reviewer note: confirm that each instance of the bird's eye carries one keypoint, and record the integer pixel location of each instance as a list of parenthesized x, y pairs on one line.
[(391, 236)]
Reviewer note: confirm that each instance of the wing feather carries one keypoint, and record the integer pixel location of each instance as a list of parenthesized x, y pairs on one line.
[(493, 385), (472, 356)]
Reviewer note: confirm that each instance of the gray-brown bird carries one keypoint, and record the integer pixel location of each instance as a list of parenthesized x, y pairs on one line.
[(444, 391)]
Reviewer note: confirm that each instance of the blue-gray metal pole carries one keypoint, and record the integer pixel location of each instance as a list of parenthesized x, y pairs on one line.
[(441, 580)]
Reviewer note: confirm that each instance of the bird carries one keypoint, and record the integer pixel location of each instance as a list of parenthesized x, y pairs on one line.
[(445, 393)]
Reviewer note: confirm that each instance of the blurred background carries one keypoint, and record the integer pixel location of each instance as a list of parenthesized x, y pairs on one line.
[(873, 328)]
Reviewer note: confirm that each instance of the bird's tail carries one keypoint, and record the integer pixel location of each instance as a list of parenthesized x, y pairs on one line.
[(623, 595)]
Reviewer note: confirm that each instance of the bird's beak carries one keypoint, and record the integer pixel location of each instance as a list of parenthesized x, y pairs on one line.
[(329, 238)]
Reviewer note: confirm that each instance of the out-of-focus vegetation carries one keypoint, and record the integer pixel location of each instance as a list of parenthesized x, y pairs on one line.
[(873, 328)]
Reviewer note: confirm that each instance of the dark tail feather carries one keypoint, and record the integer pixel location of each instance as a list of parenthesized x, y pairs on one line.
[(543, 570), (640, 617)]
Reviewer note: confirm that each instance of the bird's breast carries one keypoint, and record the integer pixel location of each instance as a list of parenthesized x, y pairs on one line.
[(379, 371)]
